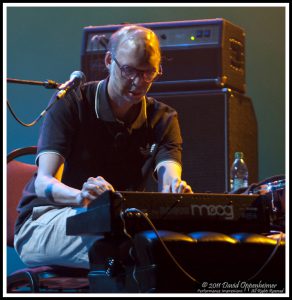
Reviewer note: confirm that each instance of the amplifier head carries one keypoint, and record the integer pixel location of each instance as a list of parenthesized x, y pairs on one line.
[(195, 53)]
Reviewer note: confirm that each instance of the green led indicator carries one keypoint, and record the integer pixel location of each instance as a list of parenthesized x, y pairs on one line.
[(193, 38)]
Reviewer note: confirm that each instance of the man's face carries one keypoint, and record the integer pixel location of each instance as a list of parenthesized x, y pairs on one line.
[(139, 56)]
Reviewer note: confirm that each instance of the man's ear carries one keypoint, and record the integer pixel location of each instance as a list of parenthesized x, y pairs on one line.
[(108, 59)]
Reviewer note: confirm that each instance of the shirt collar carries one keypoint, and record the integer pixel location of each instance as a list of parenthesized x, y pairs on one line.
[(103, 110)]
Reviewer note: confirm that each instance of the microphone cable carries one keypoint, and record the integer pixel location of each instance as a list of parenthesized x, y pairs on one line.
[(36, 120)]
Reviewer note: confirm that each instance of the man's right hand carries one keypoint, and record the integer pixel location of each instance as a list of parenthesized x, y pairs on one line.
[(92, 188)]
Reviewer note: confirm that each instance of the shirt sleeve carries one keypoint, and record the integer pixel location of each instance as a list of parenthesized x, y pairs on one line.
[(167, 134), (59, 125)]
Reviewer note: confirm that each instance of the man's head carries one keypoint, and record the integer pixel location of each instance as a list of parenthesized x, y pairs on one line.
[(133, 60)]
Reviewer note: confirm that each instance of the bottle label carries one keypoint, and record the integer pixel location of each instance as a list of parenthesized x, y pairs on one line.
[(239, 183)]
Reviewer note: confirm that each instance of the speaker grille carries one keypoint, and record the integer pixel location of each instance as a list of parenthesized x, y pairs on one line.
[(214, 124)]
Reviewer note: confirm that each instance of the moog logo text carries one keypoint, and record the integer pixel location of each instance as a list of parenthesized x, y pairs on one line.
[(224, 211)]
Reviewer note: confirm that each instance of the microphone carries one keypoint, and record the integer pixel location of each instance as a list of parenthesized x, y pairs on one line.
[(76, 79)]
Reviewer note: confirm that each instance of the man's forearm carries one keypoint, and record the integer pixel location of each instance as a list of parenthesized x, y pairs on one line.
[(56, 191), (166, 173)]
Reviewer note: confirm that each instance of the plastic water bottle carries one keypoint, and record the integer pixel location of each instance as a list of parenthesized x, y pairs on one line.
[(238, 173)]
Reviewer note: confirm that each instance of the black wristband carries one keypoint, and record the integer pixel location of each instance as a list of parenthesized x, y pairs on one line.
[(48, 192)]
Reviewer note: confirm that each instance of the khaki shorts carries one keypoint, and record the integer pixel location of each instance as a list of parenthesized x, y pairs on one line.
[(42, 239)]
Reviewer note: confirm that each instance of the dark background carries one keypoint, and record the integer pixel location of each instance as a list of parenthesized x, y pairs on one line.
[(45, 43)]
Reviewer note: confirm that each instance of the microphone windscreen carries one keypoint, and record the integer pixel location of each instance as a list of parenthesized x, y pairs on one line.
[(78, 76)]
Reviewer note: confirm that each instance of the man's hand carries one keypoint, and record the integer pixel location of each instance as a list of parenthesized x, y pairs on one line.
[(92, 188), (177, 186)]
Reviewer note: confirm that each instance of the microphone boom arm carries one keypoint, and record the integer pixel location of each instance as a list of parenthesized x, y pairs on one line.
[(49, 84), (76, 79)]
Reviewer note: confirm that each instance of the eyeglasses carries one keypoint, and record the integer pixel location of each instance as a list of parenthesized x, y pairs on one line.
[(131, 73)]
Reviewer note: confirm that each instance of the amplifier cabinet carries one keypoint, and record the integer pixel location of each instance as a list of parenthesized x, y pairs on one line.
[(214, 125), (196, 54)]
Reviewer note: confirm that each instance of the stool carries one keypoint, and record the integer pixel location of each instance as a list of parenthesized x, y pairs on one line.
[(144, 265), (210, 257)]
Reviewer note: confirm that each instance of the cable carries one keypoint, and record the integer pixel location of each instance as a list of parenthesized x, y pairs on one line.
[(36, 120), (177, 201), (118, 194), (162, 242), (270, 257), (134, 270), (131, 249)]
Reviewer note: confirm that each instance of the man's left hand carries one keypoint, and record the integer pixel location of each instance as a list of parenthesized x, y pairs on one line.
[(178, 186)]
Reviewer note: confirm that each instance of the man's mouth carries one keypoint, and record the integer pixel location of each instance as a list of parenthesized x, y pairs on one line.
[(135, 93)]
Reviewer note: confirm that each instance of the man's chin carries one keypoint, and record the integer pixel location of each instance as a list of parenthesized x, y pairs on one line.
[(135, 97)]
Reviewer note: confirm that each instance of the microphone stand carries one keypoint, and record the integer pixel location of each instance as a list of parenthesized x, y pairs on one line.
[(49, 84)]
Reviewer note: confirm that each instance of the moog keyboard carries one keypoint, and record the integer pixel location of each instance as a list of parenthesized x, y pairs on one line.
[(112, 212)]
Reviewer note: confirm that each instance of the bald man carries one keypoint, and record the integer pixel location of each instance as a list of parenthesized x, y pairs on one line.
[(99, 137)]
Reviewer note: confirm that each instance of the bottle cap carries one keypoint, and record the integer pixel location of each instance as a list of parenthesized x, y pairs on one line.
[(238, 155)]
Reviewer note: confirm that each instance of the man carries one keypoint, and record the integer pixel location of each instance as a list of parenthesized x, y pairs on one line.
[(101, 136)]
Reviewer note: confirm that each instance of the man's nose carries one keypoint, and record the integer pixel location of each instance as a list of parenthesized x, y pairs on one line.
[(139, 80)]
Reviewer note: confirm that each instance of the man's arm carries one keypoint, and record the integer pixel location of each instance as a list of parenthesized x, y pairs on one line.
[(48, 186), (169, 178)]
